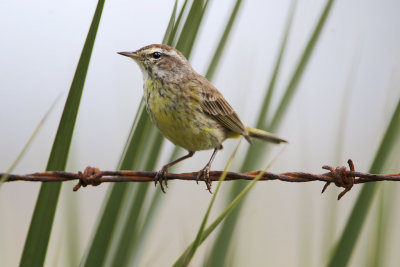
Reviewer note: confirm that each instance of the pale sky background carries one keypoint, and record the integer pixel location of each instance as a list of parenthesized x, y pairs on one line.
[(357, 57)]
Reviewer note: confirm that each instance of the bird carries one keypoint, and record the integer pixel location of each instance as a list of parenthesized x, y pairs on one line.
[(187, 108)]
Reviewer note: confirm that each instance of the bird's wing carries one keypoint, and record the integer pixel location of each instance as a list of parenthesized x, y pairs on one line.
[(214, 104)]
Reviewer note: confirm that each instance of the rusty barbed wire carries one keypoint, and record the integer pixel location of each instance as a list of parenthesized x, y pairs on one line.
[(340, 176)]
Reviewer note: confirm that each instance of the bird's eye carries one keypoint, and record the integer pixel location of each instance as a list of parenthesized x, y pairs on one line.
[(156, 55)]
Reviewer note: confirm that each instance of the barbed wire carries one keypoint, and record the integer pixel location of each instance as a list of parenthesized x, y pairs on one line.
[(340, 176)]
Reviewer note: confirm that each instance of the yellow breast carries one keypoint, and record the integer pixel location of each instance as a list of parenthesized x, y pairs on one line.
[(177, 114)]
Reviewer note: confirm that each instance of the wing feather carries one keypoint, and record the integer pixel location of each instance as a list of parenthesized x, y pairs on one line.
[(214, 104)]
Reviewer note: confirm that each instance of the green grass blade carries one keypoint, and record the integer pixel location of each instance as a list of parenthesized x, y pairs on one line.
[(96, 251), (228, 210), (154, 150), (221, 244), (124, 241), (170, 27), (137, 124), (72, 218), (330, 210), (385, 216), (138, 233), (100, 242), (301, 66), (222, 43), (253, 154), (42, 220), (191, 27), (119, 253), (172, 35), (198, 238), (139, 244), (28, 143), (262, 119), (347, 241), (127, 247), (382, 227)]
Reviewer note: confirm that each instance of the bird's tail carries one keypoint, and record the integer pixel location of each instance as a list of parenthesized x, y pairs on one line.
[(263, 135)]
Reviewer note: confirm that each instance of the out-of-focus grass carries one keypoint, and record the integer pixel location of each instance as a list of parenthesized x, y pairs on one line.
[(348, 239), (221, 244), (222, 43), (27, 144), (386, 203), (222, 216), (223, 241), (42, 219), (330, 212), (191, 27), (199, 237)]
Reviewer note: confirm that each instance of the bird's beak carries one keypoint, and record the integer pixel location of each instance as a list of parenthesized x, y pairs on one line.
[(129, 54)]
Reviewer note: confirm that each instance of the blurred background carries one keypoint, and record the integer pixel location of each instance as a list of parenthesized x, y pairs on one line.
[(341, 109)]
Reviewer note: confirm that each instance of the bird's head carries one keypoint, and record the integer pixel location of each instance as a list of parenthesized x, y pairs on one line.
[(160, 61)]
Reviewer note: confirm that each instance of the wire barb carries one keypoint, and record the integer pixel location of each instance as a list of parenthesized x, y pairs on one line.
[(341, 176), (90, 176)]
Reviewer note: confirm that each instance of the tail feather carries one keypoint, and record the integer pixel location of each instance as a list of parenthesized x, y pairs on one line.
[(263, 135)]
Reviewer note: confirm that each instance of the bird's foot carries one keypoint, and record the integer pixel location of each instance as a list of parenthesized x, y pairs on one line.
[(204, 174), (161, 177)]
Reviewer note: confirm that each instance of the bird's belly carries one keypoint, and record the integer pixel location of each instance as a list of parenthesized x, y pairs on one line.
[(183, 122)]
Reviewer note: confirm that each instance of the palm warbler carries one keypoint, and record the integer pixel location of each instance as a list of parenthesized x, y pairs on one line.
[(186, 107)]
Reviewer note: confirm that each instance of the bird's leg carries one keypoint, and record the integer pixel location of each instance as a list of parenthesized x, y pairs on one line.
[(205, 172), (162, 174)]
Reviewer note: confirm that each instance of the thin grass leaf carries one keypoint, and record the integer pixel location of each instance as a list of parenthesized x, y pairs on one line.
[(170, 27), (109, 219), (198, 238), (146, 225), (96, 251), (28, 143), (222, 43), (254, 152), (347, 241), (120, 250), (384, 218), (330, 210), (137, 241), (172, 35), (42, 220), (129, 235), (301, 66), (118, 254), (191, 27), (71, 217), (221, 244), (262, 119), (228, 210), (375, 257)]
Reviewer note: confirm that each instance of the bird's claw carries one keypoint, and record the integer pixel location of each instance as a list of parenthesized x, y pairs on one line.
[(204, 174), (161, 177)]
